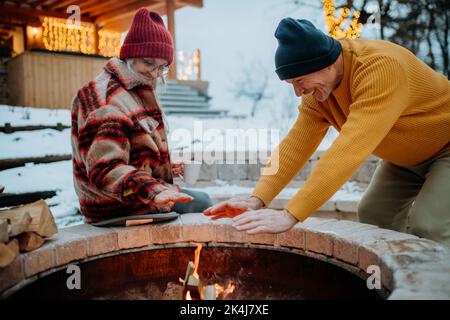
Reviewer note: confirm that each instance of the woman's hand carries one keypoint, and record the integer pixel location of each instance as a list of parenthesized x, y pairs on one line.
[(169, 197), (264, 221), (233, 207), (177, 168)]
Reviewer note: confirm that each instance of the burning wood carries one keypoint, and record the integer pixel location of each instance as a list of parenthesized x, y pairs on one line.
[(224, 292), (193, 288)]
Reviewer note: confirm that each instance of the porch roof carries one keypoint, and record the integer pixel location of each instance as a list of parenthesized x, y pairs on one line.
[(109, 14)]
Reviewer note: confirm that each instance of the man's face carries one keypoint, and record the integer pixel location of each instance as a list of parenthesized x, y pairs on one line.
[(319, 84), (151, 68)]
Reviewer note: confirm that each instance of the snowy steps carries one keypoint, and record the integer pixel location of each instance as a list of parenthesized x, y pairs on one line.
[(8, 128), (19, 162), (183, 99)]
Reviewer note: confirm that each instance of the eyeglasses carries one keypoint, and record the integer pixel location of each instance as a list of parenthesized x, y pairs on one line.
[(164, 70)]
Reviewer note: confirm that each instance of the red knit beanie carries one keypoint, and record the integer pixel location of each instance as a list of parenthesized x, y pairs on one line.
[(147, 38)]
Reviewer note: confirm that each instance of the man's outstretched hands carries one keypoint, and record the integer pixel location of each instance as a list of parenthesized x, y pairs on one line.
[(264, 221), (233, 207), (249, 217)]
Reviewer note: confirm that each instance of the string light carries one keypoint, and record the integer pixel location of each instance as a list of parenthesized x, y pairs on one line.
[(58, 35), (335, 25), (109, 43), (187, 67)]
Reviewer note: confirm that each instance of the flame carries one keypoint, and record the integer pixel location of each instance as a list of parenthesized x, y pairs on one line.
[(188, 295), (197, 260), (220, 290)]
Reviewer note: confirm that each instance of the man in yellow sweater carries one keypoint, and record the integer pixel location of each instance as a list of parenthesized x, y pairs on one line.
[(384, 101)]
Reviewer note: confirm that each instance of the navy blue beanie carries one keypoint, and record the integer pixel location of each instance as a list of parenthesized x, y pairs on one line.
[(303, 49)]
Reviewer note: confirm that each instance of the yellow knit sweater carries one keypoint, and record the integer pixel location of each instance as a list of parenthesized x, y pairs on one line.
[(389, 104)]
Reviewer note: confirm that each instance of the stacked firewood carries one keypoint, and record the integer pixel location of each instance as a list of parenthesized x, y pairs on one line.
[(24, 228)]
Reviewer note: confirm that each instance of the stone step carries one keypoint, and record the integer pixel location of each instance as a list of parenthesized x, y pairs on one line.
[(171, 104), (194, 111), (182, 98), (169, 92), (176, 89), (13, 199), (176, 86)]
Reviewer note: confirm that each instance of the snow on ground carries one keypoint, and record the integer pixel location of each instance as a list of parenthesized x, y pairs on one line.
[(37, 143), (47, 177), (26, 116), (349, 191), (38, 177)]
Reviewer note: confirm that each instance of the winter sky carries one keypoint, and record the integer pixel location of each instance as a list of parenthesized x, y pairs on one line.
[(234, 33)]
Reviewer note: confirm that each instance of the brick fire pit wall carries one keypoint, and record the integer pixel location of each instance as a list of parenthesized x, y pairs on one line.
[(411, 268)]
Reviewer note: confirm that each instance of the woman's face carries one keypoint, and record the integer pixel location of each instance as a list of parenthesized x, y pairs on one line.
[(151, 68)]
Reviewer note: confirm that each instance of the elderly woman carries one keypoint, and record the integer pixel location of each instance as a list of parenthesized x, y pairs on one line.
[(121, 160)]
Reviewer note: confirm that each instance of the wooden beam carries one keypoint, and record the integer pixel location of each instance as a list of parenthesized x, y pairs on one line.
[(59, 4), (5, 27), (191, 3), (64, 4), (24, 37), (26, 15), (37, 3), (106, 6), (123, 23), (96, 38), (125, 10), (170, 11)]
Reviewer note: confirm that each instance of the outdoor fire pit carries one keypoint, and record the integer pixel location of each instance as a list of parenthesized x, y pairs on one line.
[(253, 273), (319, 259)]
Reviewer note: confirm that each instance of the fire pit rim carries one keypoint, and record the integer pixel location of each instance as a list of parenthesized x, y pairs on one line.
[(411, 267), (383, 292)]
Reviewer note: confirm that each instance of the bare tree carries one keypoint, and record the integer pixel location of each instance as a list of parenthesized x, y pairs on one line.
[(252, 83), (422, 26)]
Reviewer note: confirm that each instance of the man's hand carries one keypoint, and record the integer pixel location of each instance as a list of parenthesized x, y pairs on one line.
[(178, 169), (169, 197), (233, 207), (264, 221)]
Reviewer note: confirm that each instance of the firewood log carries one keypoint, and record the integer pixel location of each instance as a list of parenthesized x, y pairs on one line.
[(29, 241), (19, 225), (209, 293), (4, 237), (42, 221), (8, 252)]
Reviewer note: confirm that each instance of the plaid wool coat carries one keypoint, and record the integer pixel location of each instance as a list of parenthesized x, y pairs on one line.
[(120, 151)]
